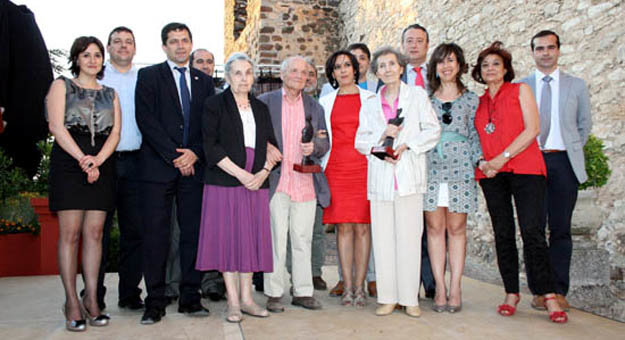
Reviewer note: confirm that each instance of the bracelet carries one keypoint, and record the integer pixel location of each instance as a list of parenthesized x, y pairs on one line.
[(477, 164), (267, 169)]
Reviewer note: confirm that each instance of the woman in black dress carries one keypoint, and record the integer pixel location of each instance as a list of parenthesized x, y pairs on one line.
[(84, 118)]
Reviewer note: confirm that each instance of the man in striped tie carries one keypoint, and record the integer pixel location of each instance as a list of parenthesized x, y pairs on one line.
[(415, 42)]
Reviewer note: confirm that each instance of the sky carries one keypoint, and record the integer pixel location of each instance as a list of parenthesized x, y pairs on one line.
[(62, 21)]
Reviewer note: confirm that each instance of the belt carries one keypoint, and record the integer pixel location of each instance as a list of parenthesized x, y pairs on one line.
[(448, 136), (552, 150)]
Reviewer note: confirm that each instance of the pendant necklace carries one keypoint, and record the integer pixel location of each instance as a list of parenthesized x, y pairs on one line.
[(490, 127)]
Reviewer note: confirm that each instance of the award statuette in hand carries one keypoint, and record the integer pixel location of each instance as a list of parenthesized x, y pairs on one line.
[(307, 165), (386, 149)]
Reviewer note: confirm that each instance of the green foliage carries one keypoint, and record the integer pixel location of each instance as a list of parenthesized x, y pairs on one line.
[(16, 190), (12, 180), (597, 166), (18, 216)]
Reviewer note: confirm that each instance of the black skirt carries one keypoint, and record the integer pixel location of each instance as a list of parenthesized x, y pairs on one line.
[(69, 189)]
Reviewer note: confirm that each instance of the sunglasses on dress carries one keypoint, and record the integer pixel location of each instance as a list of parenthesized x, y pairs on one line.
[(447, 118)]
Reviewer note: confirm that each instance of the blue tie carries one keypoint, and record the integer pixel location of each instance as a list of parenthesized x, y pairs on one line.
[(186, 103)]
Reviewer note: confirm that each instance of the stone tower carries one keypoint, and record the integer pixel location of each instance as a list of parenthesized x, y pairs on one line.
[(271, 30)]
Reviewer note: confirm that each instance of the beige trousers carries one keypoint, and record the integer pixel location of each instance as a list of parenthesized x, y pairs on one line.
[(396, 230), (297, 220)]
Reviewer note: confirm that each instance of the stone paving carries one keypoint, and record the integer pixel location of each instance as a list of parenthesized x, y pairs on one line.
[(30, 308)]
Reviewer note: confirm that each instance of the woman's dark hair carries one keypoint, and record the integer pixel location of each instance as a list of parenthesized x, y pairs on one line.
[(79, 46), (441, 52), (330, 67), (495, 48)]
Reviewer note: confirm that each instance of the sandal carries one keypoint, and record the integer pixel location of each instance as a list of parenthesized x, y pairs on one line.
[(254, 310), (347, 299), (234, 314), (508, 310), (557, 316), (360, 298)]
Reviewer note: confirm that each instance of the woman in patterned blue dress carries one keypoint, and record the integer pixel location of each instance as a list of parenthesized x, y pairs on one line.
[(451, 190)]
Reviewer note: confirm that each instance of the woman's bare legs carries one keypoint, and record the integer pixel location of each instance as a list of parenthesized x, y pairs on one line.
[(232, 290), (345, 247), (70, 222), (246, 288), (457, 244), (362, 247), (91, 256), (436, 227)]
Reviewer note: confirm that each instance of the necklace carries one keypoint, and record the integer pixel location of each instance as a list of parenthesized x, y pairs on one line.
[(490, 127)]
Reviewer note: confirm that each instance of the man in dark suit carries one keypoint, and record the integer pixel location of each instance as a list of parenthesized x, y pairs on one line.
[(169, 99), (565, 123)]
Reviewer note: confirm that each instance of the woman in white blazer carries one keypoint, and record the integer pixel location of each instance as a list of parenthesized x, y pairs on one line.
[(346, 171), (395, 187)]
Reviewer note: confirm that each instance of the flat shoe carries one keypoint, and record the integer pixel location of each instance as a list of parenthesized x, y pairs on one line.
[(234, 314), (385, 309), (413, 311), (254, 310)]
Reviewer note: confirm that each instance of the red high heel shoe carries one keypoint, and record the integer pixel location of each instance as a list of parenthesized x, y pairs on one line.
[(508, 310), (557, 316)]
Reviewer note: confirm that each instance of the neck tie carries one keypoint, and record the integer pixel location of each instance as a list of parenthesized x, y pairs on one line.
[(419, 80), (186, 103), (545, 111)]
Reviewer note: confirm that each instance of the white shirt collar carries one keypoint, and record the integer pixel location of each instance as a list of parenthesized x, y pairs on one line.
[(173, 65), (555, 75)]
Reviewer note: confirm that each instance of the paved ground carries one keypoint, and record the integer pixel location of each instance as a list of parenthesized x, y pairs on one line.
[(30, 309)]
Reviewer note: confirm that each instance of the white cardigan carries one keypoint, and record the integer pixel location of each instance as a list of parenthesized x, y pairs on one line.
[(420, 132), (368, 103)]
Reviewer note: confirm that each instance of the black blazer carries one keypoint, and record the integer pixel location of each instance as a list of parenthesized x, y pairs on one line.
[(222, 130), (159, 117)]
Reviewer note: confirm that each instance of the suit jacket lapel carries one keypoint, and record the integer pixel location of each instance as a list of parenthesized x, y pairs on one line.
[(565, 87), (195, 85), (170, 83), (275, 109)]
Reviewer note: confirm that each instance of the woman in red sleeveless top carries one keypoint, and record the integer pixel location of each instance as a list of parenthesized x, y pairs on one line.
[(507, 122)]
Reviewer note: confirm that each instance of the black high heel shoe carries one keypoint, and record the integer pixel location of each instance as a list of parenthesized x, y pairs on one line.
[(96, 321), (73, 325)]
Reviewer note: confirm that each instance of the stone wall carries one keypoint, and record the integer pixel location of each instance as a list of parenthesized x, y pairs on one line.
[(593, 47), (276, 29)]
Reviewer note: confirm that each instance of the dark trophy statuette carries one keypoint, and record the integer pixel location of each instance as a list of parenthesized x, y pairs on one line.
[(307, 165), (386, 149)]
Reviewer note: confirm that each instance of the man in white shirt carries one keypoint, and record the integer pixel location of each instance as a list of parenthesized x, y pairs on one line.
[(121, 74), (415, 42), (565, 123)]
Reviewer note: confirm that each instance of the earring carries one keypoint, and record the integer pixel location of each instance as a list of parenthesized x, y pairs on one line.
[(437, 76)]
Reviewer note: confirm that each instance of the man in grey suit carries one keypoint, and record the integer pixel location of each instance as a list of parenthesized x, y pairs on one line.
[(293, 195), (565, 123)]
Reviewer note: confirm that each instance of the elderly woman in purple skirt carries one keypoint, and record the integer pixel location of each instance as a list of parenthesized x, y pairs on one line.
[(235, 234)]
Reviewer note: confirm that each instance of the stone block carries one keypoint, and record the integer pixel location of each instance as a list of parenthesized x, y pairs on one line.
[(589, 267)]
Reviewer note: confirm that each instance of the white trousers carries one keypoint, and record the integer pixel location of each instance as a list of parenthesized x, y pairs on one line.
[(397, 227), (297, 220)]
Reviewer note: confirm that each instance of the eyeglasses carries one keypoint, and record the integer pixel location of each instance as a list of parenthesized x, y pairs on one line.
[(447, 118)]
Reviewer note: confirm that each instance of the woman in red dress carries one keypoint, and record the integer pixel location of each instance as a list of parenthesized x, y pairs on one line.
[(346, 171)]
